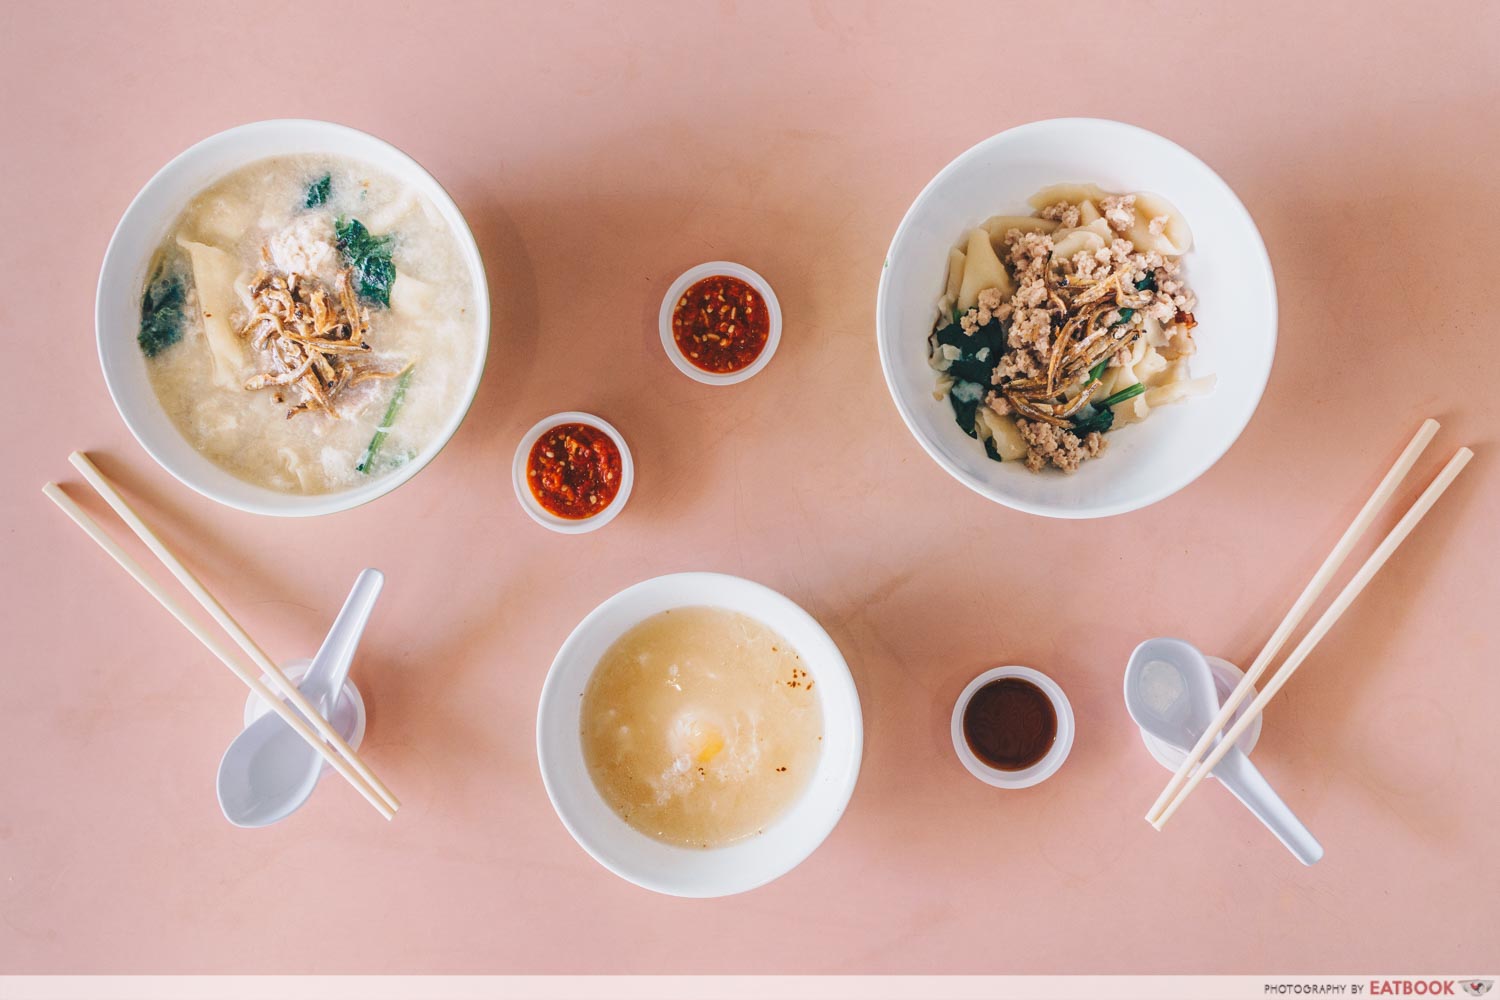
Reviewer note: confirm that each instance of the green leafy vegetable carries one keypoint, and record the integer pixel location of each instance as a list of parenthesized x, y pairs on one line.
[(1098, 369), (1129, 392), (979, 351), (972, 371), (952, 334), (1125, 315), (161, 315), (1148, 283), (1099, 420), (973, 368), (1100, 417), (317, 192), (367, 462), (965, 398), (370, 258)]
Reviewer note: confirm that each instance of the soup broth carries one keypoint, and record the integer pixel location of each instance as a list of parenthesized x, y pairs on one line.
[(700, 726), (309, 323)]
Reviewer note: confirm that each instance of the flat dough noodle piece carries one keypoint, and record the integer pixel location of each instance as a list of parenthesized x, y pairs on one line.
[(411, 297), (214, 273), (1174, 240), (1073, 194), (1175, 392), (998, 225), (381, 223), (1151, 368), (1107, 379), (1009, 444), (955, 274), (1095, 236), (224, 220), (982, 269), (1132, 411), (1156, 334)]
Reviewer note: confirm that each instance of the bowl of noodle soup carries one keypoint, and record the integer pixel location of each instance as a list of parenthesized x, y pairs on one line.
[(292, 317), (1232, 322)]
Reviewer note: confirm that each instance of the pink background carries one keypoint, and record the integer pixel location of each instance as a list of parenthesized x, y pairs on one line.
[(598, 151)]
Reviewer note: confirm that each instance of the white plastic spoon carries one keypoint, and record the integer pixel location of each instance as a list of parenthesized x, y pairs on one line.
[(1169, 690), (268, 770)]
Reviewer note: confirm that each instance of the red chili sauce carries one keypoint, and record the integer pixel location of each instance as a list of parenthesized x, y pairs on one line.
[(721, 324), (574, 471)]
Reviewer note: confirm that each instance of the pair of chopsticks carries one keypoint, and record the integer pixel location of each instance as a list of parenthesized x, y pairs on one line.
[(336, 750), (1186, 777)]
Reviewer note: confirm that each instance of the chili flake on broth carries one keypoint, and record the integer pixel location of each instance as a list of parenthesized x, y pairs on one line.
[(574, 471), (721, 324)]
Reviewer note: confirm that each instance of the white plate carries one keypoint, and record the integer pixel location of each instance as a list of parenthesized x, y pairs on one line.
[(1227, 268)]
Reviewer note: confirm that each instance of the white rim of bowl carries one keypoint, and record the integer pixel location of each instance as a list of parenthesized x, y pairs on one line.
[(544, 517), (841, 675), (316, 504), (1108, 510), (669, 305), (1043, 769)]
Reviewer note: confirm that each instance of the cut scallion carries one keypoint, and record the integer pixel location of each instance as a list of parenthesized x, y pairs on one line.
[(367, 462), (1129, 392)]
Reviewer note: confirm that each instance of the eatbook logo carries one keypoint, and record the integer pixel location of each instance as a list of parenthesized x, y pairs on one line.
[(1477, 987)]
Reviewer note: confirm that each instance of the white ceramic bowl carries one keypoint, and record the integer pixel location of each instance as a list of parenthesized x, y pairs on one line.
[(1227, 268), (146, 223), (1062, 744), (543, 516), (685, 281), (681, 871)]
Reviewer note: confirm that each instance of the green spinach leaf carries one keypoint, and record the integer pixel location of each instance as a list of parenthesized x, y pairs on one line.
[(317, 191), (966, 397), (161, 315), (370, 258), (953, 335), (1099, 420), (979, 351)]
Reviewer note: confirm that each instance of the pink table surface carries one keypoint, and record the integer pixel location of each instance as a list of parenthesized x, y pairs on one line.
[(597, 151)]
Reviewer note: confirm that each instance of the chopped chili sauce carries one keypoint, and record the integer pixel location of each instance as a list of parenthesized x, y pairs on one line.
[(721, 324), (574, 471)]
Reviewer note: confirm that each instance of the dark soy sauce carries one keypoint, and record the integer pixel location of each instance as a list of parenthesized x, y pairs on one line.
[(1010, 724)]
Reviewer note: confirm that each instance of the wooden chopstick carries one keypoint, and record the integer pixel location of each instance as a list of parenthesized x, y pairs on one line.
[(226, 621), (1304, 603), (217, 612), (1320, 628), (215, 646)]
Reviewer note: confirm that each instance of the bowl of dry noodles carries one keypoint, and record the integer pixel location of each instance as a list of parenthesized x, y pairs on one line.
[(1076, 318)]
